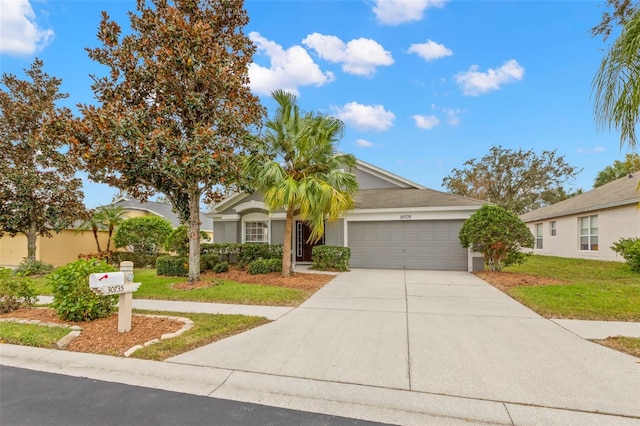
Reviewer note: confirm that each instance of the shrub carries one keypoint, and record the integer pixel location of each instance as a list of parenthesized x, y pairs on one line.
[(264, 266), (208, 262), (499, 234), (33, 267), (140, 260), (172, 266), (330, 257), (73, 300), (629, 249), (16, 291), (178, 240), (146, 234), (221, 267), (243, 254)]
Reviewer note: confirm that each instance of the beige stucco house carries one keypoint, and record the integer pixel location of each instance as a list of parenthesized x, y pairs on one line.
[(66, 246), (585, 226)]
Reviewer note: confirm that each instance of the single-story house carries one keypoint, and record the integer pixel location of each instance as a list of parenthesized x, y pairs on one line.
[(65, 246), (395, 224), (135, 208), (586, 225)]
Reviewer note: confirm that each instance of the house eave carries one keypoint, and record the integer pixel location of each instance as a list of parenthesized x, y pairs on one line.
[(582, 210)]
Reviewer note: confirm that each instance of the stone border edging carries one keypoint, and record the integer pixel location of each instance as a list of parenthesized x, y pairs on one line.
[(77, 330), (188, 325)]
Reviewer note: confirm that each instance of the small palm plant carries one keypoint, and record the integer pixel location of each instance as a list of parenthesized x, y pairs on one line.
[(299, 170)]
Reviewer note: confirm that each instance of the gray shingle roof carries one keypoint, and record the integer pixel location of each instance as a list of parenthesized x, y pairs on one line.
[(409, 197), (162, 210), (617, 193)]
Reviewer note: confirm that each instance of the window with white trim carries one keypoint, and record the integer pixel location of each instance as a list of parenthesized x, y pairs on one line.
[(552, 228), (538, 235), (588, 233), (255, 228)]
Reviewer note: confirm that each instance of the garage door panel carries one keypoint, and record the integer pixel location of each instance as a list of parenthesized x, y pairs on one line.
[(407, 244)]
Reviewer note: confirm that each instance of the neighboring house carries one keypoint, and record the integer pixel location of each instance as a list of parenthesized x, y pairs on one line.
[(134, 208), (65, 246), (585, 226), (395, 224)]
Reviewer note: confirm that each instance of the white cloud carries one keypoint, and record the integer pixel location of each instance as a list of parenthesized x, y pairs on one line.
[(19, 31), (363, 143), (593, 150), (359, 56), (453, 116), (365, 117), (289, 69), (475, 83), (430, 50), (426, 121), (395, 12)]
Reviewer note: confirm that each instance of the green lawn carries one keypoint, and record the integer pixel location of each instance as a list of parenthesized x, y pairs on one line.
[(594, 290), (154, 287), (207, 328), (30, 334)]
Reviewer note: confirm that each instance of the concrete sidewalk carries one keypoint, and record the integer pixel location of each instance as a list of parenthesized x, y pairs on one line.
[(414, 347)]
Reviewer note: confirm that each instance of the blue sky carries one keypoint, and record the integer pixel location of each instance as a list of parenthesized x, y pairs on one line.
[(422, 85)]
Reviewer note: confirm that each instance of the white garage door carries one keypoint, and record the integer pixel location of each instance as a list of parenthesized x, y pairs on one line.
[(427, 244)]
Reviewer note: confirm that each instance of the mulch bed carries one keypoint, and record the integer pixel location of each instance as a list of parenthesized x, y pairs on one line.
[(102, 336), (507, 280)]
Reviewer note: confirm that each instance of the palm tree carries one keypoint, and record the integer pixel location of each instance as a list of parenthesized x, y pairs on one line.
[(111, 216), (299, 170), (92, 223), (616, 86)]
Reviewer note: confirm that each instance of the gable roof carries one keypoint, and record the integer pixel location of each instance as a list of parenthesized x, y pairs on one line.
[(620, 192), (159, 209), (410, 197), (386, 175), (361, 165)]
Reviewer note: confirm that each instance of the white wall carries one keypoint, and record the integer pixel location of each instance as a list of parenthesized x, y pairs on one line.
[(613, 224)]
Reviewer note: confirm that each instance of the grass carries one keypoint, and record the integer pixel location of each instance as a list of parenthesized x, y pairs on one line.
[(593, 290), (30, 334), (206, 329), (159, 288)]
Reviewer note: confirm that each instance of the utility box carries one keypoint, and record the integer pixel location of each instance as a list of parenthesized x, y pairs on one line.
[(106, 279)]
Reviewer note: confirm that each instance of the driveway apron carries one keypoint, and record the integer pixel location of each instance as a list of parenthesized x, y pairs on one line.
[(446, 333)]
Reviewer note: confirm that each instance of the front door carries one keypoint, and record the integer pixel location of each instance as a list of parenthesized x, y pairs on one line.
[(303, 247)]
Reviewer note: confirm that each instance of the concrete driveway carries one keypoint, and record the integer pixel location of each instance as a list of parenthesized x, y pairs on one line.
[(435, 333)]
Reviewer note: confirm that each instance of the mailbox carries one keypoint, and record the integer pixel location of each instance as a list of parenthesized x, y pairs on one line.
[(106, 279)]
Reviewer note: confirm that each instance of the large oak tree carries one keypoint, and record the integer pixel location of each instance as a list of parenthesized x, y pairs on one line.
[(39, 193), (518, 181), (175, 109)]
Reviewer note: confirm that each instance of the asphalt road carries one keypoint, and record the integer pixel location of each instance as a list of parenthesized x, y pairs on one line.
[(35, 398)]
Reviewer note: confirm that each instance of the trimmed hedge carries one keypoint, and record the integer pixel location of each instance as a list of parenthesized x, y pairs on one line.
[(243, 254), (265, 266), (178, 266), (330, 258), (172, 266), (221, 267)]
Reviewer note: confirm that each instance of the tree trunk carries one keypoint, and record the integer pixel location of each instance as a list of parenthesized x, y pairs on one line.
[(286, 249), (32, 236), (95, 235), (194, 236), (109, 240)]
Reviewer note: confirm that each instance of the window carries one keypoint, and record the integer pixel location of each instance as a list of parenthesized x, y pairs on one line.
[(538, 235), (588, 233), (552, 228), (256, 232)]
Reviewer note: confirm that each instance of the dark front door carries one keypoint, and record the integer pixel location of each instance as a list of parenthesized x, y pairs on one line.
[(302, 246)]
